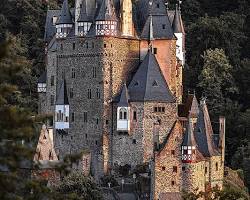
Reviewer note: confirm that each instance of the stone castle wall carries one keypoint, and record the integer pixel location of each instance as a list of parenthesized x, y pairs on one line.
[(136, 147)]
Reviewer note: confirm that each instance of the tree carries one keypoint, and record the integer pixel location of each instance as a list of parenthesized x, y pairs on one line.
[(225, 32), (78, 187), (216, 80)]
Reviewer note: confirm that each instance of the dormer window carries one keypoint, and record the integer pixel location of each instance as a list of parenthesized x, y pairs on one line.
[(155, 84), (136, 83)]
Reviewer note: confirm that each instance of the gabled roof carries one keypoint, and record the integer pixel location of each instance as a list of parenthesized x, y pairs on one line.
[(83, 17), (124, 97), (62, 96), (148, 83), (65, 15), (204, 132), (177, 22), (42, 78), (189, 139), (161, 26), (107, 11)]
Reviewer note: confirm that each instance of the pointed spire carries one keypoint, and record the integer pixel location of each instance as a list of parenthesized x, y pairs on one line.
[(189, 139), (151, 34), (124, 97), (65, 15), (204, 132), (194, 109), (107, 11), (177, 22), (62, 96), (83, 13)]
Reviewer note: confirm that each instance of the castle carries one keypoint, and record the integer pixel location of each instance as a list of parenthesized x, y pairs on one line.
[(113, 83)]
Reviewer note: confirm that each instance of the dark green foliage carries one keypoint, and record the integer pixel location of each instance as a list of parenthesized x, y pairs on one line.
[(105, 180), (78, 187)]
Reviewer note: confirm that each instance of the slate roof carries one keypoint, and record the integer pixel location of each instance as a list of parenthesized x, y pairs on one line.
[(107, 11), (177, 22), (148, 83), (65, 15), (43, 78), (124, 97), (157, 8), (162, 28), (62, 96), (204, 133), (189, 139), (83, 13)]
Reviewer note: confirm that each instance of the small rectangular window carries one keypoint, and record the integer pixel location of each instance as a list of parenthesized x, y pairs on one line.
[(74, 46), (107, 122), (134, 141), (205, 170), (89, 94), (172, 152), (85, 117), (163, 168), (163, 26), (173, 183), (155, 109), (104, 45), (71, 93), (94, 72), (73, 73), (155, 50), (52, 99), (52, 81), (134, 116), (183, 168), (98, 93), (175, 169), (72, 117)]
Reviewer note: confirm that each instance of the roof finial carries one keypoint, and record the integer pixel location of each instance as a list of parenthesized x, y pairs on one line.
[(151, 31), (167, 7), (179, 4)]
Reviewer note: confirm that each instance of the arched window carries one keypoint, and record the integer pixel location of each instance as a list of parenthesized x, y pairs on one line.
[(123, 114)]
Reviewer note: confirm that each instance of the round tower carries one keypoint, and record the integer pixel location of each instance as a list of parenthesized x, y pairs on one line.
[(188, 147), (106, 20), (64, 24), (84, 22)]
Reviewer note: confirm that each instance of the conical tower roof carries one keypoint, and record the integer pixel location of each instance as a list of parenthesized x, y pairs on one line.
[(177, 22), (65, 15), (107, 11), (83, 13), (148, 83), (62, 95), (124, 97), (189, 139), (204, 132)]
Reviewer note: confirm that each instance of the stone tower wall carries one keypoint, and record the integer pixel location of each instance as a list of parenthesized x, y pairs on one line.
[(165, 178), (216, 171), (100, 65)]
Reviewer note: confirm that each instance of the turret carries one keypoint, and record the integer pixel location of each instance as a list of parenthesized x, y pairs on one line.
[(127, 27), (62, 108), (84, 22), (123, 111), (106, 20), (41, 84), (64, 24), (188, 147), (179, 33)]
